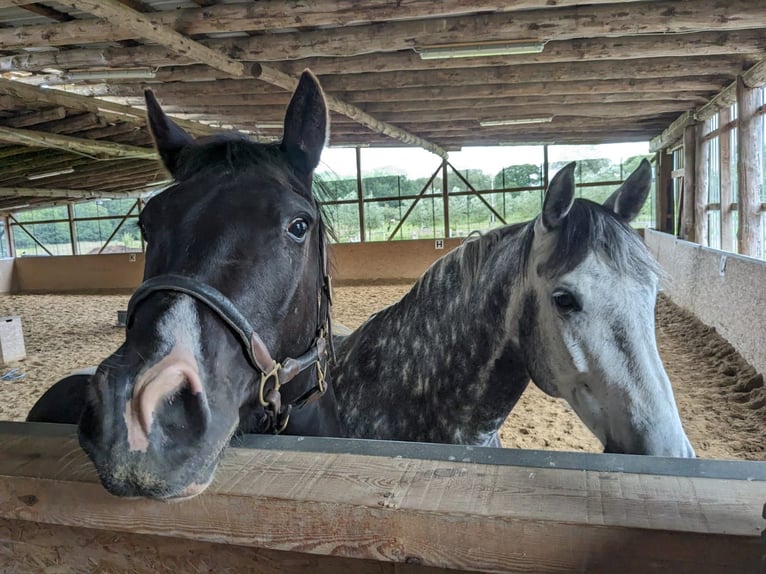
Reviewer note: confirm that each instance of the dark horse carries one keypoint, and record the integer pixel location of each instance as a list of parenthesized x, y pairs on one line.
[(566, 300), (235, 275)]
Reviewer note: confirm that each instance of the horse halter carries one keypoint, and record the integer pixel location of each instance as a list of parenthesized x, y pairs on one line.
[(257, 353)]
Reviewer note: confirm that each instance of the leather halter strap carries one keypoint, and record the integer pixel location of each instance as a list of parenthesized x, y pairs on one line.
[(256, 350)]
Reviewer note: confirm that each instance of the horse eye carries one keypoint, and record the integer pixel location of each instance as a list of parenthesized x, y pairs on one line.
[(298, 228), (565, 302)]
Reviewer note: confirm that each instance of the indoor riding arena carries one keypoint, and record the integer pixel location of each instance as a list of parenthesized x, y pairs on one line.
[(449, 129)]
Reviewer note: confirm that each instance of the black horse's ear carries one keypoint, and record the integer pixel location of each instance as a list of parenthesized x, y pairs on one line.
[(630, 197), (306, 125), (169, 138), (559, 197)]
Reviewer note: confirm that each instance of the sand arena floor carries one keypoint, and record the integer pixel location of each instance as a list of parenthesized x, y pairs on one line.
[(721, 398)]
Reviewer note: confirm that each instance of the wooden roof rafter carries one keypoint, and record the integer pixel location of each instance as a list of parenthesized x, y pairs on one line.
[(142, 26)]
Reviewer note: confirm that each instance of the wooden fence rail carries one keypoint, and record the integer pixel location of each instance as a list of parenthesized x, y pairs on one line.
[(286, 504)]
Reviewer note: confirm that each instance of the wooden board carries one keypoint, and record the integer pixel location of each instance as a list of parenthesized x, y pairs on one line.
[(443, 514)]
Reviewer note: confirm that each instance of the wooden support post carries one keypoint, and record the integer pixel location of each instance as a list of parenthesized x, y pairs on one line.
[(664, 208), (445, 198), (140, 202), (9, 236), (360, 194), (686, 227), (724, 145), (749, 170), (72, 228), (701, 185)]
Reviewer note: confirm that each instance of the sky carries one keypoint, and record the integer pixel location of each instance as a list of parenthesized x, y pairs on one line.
[(416, 162)]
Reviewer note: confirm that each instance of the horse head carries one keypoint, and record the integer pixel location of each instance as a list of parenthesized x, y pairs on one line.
[(235, 281), (587, 318)]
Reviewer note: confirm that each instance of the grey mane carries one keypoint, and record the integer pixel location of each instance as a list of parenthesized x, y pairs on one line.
[(589, 227)]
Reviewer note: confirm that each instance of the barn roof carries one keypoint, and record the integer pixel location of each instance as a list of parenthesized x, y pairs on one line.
[(74, 72)]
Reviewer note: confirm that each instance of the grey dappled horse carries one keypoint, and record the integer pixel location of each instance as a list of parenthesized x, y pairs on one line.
[(566, 300)]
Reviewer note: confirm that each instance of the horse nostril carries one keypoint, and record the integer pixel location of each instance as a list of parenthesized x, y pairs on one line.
[(184, 415)]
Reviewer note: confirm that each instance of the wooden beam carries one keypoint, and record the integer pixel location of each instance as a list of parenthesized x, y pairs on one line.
[(565, 23), (110, 111), (277, 78), (66, 193), (32, 118), (87, 147), (392, 113), (754, 77), (746, 42), (572, 72), (255, 89), (141, 26), (393, 510), (749, 170), (267, 16), (673, 133)]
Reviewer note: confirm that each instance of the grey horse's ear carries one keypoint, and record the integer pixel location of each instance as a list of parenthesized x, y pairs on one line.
[(630, 197), (559, 197), (306, 124), (169, 138)]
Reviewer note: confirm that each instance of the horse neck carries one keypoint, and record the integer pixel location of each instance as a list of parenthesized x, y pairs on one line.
[(446, 351)]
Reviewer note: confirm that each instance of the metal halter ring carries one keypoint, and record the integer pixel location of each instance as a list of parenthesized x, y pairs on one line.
[(274, 372)]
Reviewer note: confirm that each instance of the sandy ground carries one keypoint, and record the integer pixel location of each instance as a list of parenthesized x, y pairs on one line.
[(721, 399)]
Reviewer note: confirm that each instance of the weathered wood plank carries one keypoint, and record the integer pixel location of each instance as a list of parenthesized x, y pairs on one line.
[(36, 548), (467, 516), (687, 227), (565, 23), (724, 145), (66, 193), (573, 72), (268, 15), (754, 77), (749, 170), (140, 26), (288, 82), (631, 48), (701, 185), (78, 145), (657, 88), (108, 110), (180, 44), (32, 118)]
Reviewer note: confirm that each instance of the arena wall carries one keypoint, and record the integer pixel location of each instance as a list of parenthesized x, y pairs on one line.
[(79, 273), (724, 290), (6, 275), (398, 261)]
